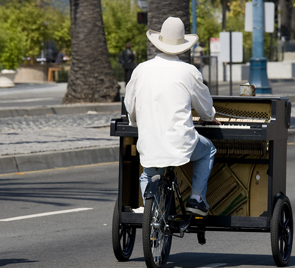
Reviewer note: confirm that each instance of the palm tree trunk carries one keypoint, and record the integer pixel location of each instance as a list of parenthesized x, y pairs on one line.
[(285, 18), (91, 78), (224, 9), (158, 12), (292, 37)]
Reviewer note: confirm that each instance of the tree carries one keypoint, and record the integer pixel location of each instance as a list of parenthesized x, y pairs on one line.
[(25, 21), (285, 10), (12, 47), (121, 27), (158, 12), (59, 28), (207, 22), (91, 77), (292, 37), (236, 21), (25, 26), (224, 4)]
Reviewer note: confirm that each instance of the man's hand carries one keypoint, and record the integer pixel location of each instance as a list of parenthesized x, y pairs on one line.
[(214, 122)]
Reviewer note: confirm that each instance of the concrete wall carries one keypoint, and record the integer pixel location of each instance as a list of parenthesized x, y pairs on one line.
[(38, 73), (279, 70), (31, 74), (289, 56), (35, 73)]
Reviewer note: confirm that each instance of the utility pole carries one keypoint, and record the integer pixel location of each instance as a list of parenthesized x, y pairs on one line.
[(194, 13), (194, 16), (258, 63)]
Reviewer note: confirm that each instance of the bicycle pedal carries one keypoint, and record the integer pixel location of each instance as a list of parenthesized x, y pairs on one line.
[(176, 222), (196, 217), (176, 218)]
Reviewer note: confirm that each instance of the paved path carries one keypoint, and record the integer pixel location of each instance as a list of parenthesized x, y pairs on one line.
[(35, 134)]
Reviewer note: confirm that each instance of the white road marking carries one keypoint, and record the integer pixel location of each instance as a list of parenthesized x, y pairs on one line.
[(213, 265), (26, 100), (45, 214)]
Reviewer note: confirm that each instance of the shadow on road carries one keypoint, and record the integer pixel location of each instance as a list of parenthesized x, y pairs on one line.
[(14, 261), (194, 260), (55, 193)]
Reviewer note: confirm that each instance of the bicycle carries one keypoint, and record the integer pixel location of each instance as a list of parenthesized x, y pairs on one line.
[(160, 221), (246, 190)]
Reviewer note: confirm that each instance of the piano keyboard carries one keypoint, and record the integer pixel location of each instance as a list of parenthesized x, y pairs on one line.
[(224, 126), (236, 120)]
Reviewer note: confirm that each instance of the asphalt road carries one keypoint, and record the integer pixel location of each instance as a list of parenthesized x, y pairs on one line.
[(80, 236), (28, 95)]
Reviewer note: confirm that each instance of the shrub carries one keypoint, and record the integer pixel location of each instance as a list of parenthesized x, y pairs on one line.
[(63, 76)]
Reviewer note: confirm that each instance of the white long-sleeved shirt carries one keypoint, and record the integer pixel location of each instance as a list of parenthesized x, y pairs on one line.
[(159, 98)]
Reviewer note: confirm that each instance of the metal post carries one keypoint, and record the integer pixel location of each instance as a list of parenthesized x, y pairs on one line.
[(216, 76), (194, 13), (201, 65), (230, 65), (258, 74), (209, 65), (270, 51), (194, 16), (224, 71)]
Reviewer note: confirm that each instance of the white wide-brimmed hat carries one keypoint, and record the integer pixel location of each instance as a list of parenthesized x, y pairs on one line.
[(171, 39)]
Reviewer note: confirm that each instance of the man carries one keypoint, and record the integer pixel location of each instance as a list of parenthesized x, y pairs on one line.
[(159, 98), (127, 61)]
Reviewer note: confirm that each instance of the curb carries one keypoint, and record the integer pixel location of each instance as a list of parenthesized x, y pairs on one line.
[(291, 97), (58, 159), (60, 109), (68, 158), (291, 135)]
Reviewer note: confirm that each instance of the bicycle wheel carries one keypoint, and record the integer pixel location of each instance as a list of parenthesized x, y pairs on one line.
[(281, 231), (156, 238), (123, 237)]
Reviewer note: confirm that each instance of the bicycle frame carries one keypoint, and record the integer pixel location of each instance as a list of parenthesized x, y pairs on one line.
[(174, 187)]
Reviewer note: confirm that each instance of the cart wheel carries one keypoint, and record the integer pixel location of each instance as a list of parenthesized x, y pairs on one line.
[(123, 237), (281, 231), (155, 236)]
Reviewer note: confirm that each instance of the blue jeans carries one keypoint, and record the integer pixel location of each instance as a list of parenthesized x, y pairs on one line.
[(202, 158)]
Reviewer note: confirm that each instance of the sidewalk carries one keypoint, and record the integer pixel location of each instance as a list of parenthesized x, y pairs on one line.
[(46, 137)]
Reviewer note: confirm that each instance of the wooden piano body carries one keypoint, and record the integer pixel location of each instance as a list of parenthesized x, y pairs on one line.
[(249, 168)]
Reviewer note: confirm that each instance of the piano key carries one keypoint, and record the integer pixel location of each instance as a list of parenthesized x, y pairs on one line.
[(224, 126)]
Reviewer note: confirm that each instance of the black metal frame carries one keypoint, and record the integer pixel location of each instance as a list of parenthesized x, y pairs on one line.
[(275, 132)]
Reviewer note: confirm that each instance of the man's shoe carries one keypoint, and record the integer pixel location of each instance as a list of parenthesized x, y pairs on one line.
[(193, 206)]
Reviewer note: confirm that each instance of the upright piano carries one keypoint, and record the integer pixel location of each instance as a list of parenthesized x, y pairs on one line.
[(249, 168)]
